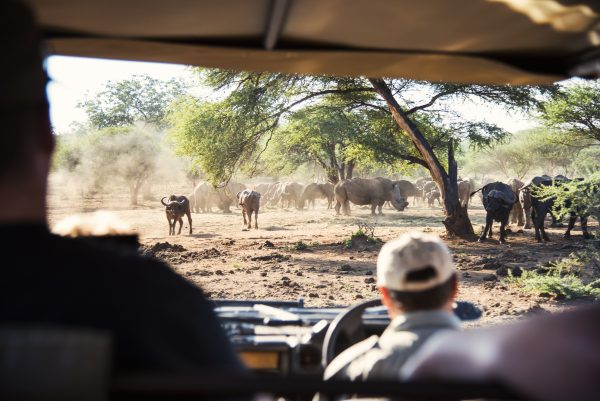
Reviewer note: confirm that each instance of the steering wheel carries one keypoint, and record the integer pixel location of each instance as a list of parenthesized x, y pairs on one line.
[(348, 323)]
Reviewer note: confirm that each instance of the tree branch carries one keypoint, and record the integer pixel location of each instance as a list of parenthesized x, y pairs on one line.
[(326, 92), (411, 159), (430, 102), (373, 106)]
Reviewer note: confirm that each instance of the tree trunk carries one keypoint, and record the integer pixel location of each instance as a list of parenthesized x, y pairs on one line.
[(457, 219), (342, 172), (350, 169), (330, 172), (332, 175)]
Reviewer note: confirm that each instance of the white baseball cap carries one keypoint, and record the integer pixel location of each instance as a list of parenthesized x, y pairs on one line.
[(411, 253)]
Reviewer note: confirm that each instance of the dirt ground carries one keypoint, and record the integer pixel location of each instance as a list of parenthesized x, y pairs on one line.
[(228, 261)]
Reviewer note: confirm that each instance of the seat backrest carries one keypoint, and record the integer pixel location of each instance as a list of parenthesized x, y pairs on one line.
[(53, 363)]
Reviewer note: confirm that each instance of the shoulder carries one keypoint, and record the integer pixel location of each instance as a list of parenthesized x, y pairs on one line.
[(338, 368), (116, 266)]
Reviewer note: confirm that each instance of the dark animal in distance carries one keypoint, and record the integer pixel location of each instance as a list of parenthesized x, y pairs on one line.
[(175, 209), (420, 182), (287, 193), (498, 200), (428, 187), (407, 189), (541, 207), (573, 217), (432, 195), (315, 190), (249, 201), (525, 198)]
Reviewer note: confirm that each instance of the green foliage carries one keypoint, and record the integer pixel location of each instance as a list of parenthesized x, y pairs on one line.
[(528, 152), (280, 121), (68, 153), (360, 235), (574, 112), (139, 99), (349, 242), (587, 162), (577, 196), (192, 171), (554, 284), (300, 246), (365, 232), (334, 139), (565, 278), (212, 135)]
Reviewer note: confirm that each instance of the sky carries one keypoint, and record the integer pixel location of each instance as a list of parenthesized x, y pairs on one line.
[(72, 78)]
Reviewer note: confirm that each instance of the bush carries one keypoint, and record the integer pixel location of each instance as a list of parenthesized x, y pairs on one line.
[(364, 233), (575, 276), (300, 246), (581, 197)]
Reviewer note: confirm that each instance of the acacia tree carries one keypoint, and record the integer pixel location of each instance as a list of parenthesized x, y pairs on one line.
[(139, 99), (257, 102), (529, 152), (132, 153), (574, 113), (319, 134), (340, 140)]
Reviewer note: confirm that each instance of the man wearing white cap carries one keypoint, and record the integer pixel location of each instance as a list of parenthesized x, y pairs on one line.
[(418, 284)]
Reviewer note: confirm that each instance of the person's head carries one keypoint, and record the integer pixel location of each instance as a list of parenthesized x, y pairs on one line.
[(26, 140), (416, 273)]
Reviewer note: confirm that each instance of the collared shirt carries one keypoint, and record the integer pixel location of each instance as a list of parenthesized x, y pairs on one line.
[(382, 357)]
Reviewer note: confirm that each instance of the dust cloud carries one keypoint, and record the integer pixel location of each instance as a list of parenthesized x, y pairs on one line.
[(116, 168)]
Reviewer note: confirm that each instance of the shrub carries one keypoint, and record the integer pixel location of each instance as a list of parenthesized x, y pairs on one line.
[(365, 232), (575, 276), (579, 196), (300, 246)]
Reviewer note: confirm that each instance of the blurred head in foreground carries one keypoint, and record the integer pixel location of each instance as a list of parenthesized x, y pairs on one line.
[(26, 140), (102, 227), (414, 273), (550, 357)]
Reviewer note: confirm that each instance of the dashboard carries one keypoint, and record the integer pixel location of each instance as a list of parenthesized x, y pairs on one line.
[(286, 339)]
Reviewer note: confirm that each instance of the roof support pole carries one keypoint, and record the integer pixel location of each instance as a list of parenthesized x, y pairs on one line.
[(277, 15)]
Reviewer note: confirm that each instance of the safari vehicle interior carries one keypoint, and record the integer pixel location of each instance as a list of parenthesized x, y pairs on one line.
[(473, 41)]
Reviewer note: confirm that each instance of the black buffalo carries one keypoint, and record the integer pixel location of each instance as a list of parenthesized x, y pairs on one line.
[(175, 209), (541, 207), (498, 200)]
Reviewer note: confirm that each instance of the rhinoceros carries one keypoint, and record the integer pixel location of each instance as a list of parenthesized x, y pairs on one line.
[(368, 191)]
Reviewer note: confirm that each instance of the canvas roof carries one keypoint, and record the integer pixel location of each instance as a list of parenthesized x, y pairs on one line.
[(486, 41)]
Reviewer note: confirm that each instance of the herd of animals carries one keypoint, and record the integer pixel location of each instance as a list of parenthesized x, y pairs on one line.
[(514, 200)]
